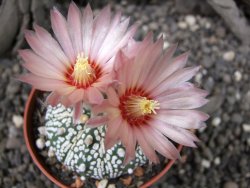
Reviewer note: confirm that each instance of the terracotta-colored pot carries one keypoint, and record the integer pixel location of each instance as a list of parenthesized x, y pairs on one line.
[(31, 145)]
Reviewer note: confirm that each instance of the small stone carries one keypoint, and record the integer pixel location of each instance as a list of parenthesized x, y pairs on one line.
[(13, 143), (230, 184), (182, 25), (237, 76), (229, 56), (216, 121), (111, 186), (217, 161), (198, 78), (42, 130), (51, 153), (205, 163), (246, 127), (139, 172), (103, 183), (17, 120), (126, 181), (139, 183), (40, 143), (190, 20), (78, 183), (84, 118)]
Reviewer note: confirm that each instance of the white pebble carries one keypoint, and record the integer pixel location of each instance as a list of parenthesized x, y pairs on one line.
[(40, 143), (190, 20), (216, 121), (217, 161), (84, 118), (42, 130), (182, 25), (198, 78), (83, 178), (237, 76), (88, 140), (229, 56), (246, 127), (205, 163), (103, 183), (17, 120)]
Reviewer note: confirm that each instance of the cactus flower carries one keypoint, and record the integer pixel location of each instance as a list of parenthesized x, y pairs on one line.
[(76, 66), (152, 102)]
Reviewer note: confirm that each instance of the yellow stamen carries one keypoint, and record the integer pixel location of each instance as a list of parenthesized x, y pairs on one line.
[(83, 72), (139, 106)]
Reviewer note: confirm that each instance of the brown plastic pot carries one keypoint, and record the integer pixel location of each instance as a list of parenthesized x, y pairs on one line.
[(31, 145)]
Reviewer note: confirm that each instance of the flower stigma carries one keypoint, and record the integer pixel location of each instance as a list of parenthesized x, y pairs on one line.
[(138, 106), (83, 73)]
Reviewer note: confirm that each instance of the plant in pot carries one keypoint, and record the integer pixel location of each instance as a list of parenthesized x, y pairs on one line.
[(113, 103)]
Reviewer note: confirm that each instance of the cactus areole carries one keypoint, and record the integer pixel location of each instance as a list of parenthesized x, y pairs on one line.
[(81, 149)]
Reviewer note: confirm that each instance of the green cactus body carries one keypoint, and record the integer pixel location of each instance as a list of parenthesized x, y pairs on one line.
[(82, 150)]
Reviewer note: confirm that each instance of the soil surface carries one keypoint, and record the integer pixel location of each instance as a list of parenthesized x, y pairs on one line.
[(222, 157)]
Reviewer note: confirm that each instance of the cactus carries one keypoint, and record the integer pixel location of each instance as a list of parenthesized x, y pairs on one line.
[(81, 149)]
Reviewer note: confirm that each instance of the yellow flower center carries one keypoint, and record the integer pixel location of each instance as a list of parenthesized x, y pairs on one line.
[(83, 73), (137, 106)]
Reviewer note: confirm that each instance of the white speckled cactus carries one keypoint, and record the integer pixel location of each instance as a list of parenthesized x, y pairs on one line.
[(82, 149)]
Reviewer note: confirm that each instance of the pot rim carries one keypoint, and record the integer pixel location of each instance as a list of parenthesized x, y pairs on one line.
[(35, 156)]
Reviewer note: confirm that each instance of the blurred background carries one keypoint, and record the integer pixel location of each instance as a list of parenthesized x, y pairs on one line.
[(217, 35)]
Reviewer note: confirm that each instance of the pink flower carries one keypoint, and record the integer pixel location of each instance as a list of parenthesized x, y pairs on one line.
[(152, 103), (76, 67)]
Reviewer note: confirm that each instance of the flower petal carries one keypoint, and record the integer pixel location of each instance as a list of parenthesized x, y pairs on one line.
[(59, 26), (75, 27), (112, 97), (77, 112), (94, 95), (97, 121)]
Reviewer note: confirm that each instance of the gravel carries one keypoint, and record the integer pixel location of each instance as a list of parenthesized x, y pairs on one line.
[(222, 157)]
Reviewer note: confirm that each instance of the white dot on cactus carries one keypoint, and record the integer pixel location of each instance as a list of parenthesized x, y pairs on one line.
[(51, 153), (130, 171), (88, 140), (119, 161), (82, 167), (121, 152), (98, 138), (96, 132), (79, 127), (47, 143), (40, 143), (107, 156), (96, 146), (95, 155), (76, 149), (89, 158), (93, 163), (60, 131)]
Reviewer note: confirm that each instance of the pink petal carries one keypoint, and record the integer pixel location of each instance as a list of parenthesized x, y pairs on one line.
[(101, 26), (52, 47), (174, 133), (53, 99), (146, 146), (87, 29), (160, 143), (112, 97), (112, 135), (97, 121), (176, 79), (188, 119), (166, 71), (75, 27), (77, 112), (43, 52), (41, 83), (59, 26), (76, 96), (94, 95), (39, 66)]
